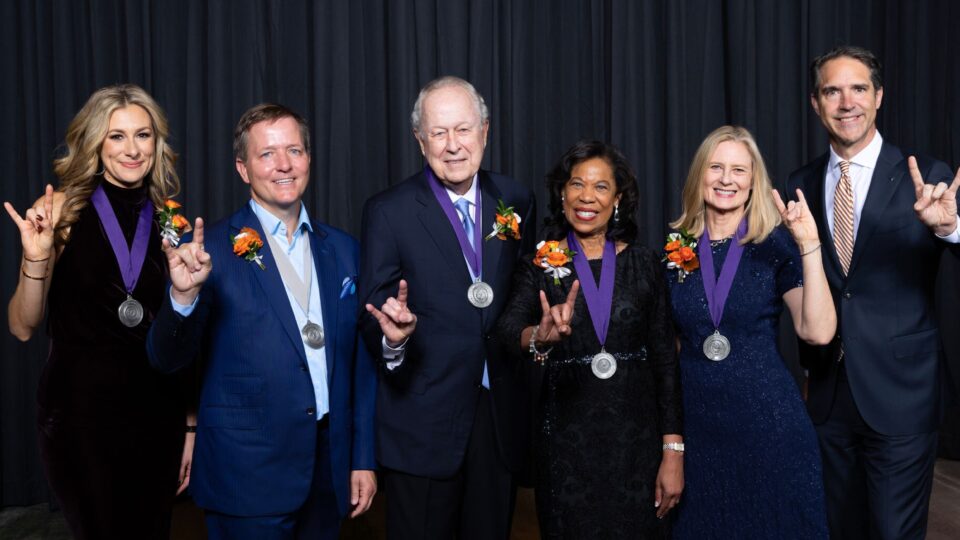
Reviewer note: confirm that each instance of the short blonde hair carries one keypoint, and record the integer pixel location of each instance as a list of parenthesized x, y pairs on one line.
[(77, 169), (762, 214)]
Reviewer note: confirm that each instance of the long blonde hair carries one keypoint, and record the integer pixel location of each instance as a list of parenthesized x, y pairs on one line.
[(78, 167), (762, 214)]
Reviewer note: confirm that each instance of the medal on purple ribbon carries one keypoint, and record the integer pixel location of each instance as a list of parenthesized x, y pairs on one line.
[(599, 297), (716, 346), (129, 259), (479, 294)]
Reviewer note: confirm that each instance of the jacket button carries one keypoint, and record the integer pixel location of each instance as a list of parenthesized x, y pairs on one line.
[(303, 367), (847, 295), (311, 411)]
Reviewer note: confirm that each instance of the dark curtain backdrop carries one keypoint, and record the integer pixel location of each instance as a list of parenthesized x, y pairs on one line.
[(653, 77)]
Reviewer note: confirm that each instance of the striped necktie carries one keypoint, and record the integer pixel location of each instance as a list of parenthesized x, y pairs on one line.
[(843, 217)]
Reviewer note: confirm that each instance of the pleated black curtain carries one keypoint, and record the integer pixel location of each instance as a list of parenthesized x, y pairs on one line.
[(653, 77)]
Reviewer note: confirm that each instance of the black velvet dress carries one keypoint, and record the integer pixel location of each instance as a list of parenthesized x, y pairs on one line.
[(110, 427), (598, 442)]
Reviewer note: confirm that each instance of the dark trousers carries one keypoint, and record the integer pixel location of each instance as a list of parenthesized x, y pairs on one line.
[(878, 486), (477, 502), (317, 519)]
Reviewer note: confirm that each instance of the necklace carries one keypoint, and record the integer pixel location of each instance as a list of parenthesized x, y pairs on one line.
[(720, 242)]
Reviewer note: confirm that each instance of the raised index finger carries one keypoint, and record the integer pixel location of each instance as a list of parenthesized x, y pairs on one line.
[(198, 231), (48, 201), (572, 295), (915, 174), (402, 292)]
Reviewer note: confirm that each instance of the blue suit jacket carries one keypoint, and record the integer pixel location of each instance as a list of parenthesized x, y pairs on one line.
[(891, 342), (426, 406), (256, 431)]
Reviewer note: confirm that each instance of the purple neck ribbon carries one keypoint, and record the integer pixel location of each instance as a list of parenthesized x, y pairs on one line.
[(129, 259), (474, 257), (599, 297), (717, 289)]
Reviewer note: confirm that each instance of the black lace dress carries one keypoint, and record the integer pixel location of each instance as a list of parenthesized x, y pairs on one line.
[(598, 442), (111, 429)]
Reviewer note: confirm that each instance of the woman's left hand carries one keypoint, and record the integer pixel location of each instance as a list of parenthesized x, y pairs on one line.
[(186, 461), (798, 220), (669, 482)]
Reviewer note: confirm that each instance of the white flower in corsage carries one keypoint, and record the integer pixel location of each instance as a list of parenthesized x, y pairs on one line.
[(172, 224), (680, 254), (553, 259), (507, 224)]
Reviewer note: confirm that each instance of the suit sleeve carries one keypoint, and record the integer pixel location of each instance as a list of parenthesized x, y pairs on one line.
[(380, 273), (173, 341), (364, 404)]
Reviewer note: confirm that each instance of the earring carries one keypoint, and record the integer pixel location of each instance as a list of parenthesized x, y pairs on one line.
[(616, 213)]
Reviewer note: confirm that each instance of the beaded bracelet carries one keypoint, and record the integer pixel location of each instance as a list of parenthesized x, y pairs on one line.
[(538, 356)]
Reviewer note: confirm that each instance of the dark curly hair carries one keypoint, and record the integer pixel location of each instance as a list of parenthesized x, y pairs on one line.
[(625, 228)]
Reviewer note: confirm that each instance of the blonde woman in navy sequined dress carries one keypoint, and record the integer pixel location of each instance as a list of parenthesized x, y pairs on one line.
[(752, 462)]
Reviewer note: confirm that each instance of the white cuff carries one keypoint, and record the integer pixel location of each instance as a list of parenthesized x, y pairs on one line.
[(952, 238), (393, 356)]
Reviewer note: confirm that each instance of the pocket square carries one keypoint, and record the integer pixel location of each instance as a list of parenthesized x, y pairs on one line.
[(348, 287)]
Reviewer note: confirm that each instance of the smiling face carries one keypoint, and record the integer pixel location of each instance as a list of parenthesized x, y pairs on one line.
[(127, 151), (452, 136), (589, 197), (727, 178), (847, 104), (277, 166)]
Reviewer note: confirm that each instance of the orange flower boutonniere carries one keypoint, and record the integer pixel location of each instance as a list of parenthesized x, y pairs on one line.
[(507, 224), (680, 254), (246, 244), (172, 224), (553, 259)]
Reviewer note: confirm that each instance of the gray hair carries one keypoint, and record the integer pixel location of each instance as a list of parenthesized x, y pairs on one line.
[(444, 82)]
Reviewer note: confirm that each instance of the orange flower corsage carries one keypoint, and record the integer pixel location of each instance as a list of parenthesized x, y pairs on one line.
[(507, 224), (553, 259), (680, 254), (246, 244), (172, 224)]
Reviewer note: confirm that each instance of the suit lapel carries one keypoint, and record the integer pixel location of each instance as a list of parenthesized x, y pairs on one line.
[(325, 261), (489, 195), (440, 231), (269, 279), (815, 192), (883, 185)]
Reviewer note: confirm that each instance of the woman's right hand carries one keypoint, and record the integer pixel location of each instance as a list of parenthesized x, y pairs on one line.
[(555, 320), (36, 227)]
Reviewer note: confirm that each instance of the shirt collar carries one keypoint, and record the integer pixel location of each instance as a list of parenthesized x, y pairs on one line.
[(272, 224), (866, 158), (470, 195)]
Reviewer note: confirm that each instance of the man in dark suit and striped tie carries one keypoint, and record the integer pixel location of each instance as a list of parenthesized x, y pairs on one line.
[(876, 392)]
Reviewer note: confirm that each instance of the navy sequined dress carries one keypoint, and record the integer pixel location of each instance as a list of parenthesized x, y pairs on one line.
[(598, 442), (752, 464)]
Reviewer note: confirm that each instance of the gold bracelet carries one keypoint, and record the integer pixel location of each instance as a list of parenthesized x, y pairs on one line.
[(811, 250), (36, 260), (24, 272)]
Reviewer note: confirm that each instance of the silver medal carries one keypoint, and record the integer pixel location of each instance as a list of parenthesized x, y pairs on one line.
[(130, 312), (480, 294), (716, 347), (603, 365), (312, 335)]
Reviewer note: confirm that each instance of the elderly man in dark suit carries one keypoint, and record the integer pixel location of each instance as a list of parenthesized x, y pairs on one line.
[(875, 393), (284, 443), (451, 415)]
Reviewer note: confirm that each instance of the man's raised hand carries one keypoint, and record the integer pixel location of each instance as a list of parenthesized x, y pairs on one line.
[(189, 266), (396, 320)]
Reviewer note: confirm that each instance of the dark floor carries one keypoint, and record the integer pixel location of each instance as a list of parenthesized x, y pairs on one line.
[(38, 523)]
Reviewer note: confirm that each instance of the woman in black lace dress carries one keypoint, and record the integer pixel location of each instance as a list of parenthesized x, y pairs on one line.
[(111, 429), (608, 445)]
